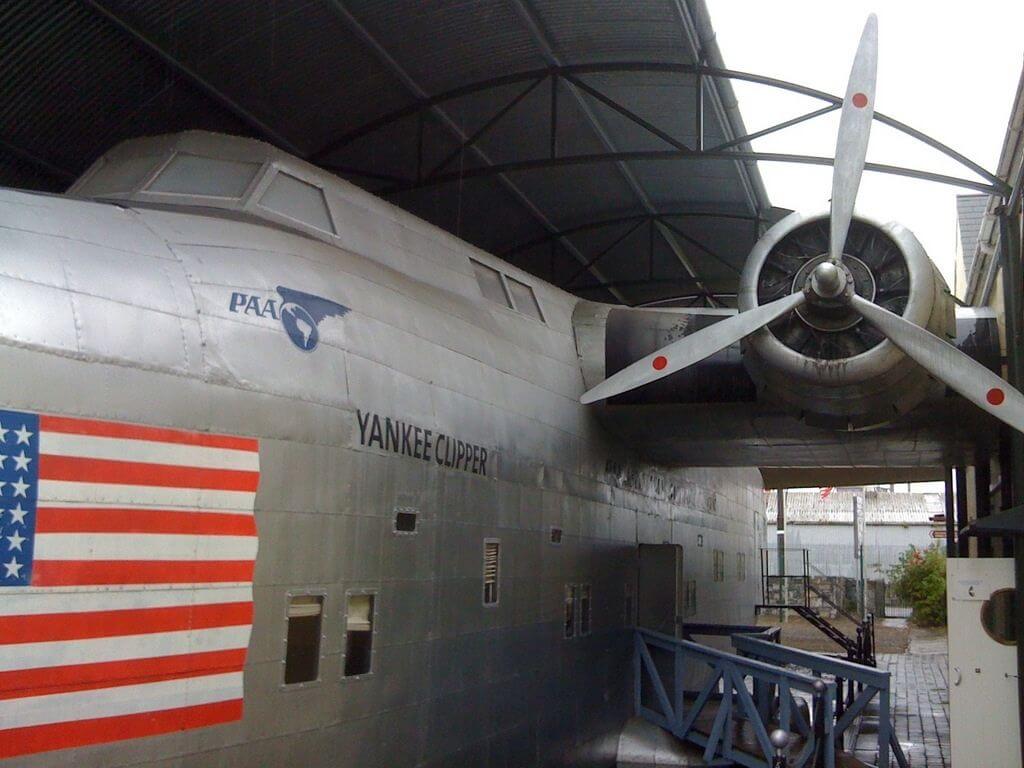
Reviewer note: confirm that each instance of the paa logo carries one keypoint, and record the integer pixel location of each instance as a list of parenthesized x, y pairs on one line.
[(300, 313)]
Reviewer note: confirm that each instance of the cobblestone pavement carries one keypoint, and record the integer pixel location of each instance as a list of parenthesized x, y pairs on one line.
[(921, 705)]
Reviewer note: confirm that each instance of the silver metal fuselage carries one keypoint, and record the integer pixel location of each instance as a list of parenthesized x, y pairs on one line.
[(124, 312)]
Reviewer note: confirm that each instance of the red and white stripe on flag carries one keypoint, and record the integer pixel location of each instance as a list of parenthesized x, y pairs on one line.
[(138, 608)]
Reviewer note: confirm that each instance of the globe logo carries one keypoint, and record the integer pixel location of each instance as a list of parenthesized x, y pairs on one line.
[(301, 314), (300, 327)]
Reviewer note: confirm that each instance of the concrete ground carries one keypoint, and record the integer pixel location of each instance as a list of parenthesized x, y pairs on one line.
[(891, 635)]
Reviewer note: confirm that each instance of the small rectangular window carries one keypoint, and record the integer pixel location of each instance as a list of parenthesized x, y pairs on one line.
[(569, 627), (359, 634), (302, 650), (491, 284), (525, 299), (585, 609), (492, 561), (741, 566), (718, 565), (405, 520), (556, 535), (690, 605)]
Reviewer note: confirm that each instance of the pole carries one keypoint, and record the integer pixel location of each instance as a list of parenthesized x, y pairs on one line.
[(780, 544), (1010, 256), (963, 543), (950, 515)]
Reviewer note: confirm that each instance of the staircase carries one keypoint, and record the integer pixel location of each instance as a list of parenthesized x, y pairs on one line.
[(789, 588)]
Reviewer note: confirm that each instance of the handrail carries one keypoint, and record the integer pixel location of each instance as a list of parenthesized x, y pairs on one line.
[(710, 717), (870, 682)]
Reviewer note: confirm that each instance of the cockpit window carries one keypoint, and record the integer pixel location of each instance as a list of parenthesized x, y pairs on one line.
[(524, 298), (206, 176), (491, 285), (298, 200)]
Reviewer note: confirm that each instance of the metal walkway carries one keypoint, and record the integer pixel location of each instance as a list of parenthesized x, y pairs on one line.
[(730, 703)]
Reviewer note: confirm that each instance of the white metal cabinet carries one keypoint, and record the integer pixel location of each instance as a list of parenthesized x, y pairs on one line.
[(982, 664)]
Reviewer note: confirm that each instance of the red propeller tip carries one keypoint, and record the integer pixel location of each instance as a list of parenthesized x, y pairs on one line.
[(995, 396), (859, 100), (660, 362)]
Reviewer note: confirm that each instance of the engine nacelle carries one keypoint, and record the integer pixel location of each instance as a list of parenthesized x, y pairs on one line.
[(824, 360)]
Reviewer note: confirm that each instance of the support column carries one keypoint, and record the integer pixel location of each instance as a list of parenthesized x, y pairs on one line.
[(983, 499), (962, 521), (780, 543), (950, 515), (1010, 257)]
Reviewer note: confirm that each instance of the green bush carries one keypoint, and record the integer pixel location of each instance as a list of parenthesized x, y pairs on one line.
[(920, 579)]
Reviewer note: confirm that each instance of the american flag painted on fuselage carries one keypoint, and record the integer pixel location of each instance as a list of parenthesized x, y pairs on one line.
[(126, 562)]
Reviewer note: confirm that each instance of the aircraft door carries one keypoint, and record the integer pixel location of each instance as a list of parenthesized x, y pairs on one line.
[(660, 588)]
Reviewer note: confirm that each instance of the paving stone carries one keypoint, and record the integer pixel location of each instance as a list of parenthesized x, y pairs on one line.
[(920, 706)]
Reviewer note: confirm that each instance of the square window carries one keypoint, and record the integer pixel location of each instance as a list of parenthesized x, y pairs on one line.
[(555, 535), (405, 520)]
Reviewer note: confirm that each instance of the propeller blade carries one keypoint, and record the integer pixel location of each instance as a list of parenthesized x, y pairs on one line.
[(692, 349), (948, 364), (852, 144)]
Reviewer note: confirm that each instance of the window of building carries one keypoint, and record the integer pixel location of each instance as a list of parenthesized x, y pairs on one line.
[(492, 563), (405, 520), (298, 200), (359, 615), (718, 565), (741, 566), (569, 626), (524, 298), (555, 535), (302, 650), (585, 609), (205, 176), (491, 284)]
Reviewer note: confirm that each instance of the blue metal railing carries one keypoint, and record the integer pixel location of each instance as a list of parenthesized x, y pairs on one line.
[(724, 716), (861, 683)]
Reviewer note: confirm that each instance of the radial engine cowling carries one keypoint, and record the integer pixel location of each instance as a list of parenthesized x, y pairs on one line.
[(824, 359)]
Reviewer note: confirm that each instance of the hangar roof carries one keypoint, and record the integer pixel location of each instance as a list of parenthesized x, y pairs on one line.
[(415, 101)]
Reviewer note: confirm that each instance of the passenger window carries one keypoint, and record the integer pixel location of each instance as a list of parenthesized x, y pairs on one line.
[(569, 629), (302, 652), (492, 558), (405, 520), (491, 285), (359, 634), (525, 299), (584, 609)]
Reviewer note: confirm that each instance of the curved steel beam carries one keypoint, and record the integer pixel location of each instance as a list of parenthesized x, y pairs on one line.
[(599, 224), (996, 186), (675, 155)]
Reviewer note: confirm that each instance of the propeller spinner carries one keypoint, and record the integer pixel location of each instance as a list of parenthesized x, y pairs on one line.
[(829, 285)]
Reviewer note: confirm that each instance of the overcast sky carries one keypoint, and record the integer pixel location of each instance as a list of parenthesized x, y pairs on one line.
[(947, 69)]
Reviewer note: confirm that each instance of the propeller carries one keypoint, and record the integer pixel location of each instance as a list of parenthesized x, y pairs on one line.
[(852, 142), (830, 282)]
